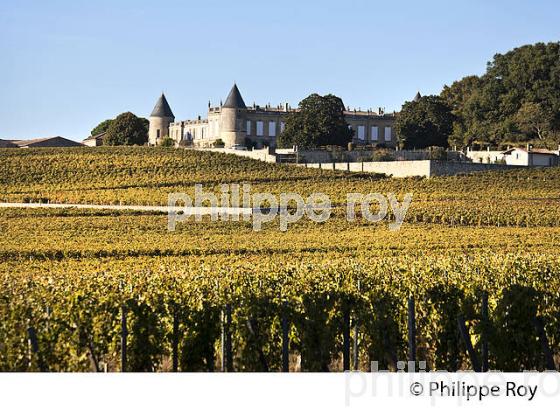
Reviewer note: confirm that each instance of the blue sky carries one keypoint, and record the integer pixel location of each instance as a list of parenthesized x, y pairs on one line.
[(67, 65)]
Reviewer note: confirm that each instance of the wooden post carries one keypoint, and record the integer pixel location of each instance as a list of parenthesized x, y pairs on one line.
[(484, 333), (124, 334), (543, 339), (175, 340), (32, 334), (355, 351), (411, 331), (467, 339), (222, 342), (253, 327), (227, 354), (285, 340), (346, 339)]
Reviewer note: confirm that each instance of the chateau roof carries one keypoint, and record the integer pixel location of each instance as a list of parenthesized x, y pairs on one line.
[(532, 151), (162, 108), (7, 144), (417, 97), (234, 99), (47, 142), (96, 137)]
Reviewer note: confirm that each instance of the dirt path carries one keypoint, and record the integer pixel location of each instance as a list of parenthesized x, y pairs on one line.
[(150, 208)]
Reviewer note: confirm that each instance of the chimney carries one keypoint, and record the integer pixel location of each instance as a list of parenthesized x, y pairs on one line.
[(529, 147), (286, 107)]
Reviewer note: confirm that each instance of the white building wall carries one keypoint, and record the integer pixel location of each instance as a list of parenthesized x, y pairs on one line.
[(517, 157), (485, 157)]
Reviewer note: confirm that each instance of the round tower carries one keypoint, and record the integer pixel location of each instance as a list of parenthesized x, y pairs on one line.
[(232, 119), (160, 118)]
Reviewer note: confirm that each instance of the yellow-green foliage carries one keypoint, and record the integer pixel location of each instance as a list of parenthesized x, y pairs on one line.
[(67, 273)]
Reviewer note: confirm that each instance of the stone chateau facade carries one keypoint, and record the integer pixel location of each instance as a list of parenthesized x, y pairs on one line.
[(234, 123)]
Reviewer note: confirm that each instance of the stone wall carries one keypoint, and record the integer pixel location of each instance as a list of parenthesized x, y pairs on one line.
[(438, 168), (258, 154), (403, 169)]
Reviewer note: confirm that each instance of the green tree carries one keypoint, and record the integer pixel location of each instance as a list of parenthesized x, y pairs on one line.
[(167, 142), (517, 99), (318, 122), (103, 126), (456, 97), (534, 120), (127, 129), (425, 123)]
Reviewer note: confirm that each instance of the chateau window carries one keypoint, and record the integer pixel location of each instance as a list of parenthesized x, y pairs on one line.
[(374, 133), (248, 127), (260, 128), (361, 132), (272, 128), (202, 132), (282, 126), (388, 135), (157, 134)]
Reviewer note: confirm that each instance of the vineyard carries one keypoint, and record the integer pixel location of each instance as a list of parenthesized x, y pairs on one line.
[(76, 286)]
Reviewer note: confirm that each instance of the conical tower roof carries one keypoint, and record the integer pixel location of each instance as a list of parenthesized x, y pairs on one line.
[(234, 99), (162, 108), (417, 97)]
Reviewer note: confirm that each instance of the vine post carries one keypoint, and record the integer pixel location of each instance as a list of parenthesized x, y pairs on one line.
[(484, 333), (175, 347), (124, 334), (34, 343), (346, 339), (285, 339), (411, 332), (467, 340), (227, 353)]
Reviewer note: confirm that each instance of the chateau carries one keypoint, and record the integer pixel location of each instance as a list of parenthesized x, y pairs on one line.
[(233, 123)]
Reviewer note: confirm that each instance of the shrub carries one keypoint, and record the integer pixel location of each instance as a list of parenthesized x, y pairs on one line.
[(167, 142), (383, 155)]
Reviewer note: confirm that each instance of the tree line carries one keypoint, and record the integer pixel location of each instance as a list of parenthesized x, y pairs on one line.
[(517, 100)]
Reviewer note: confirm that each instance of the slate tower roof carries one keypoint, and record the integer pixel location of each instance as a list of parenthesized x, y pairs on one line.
[(417, 97), (162, 108), (234, 99)]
